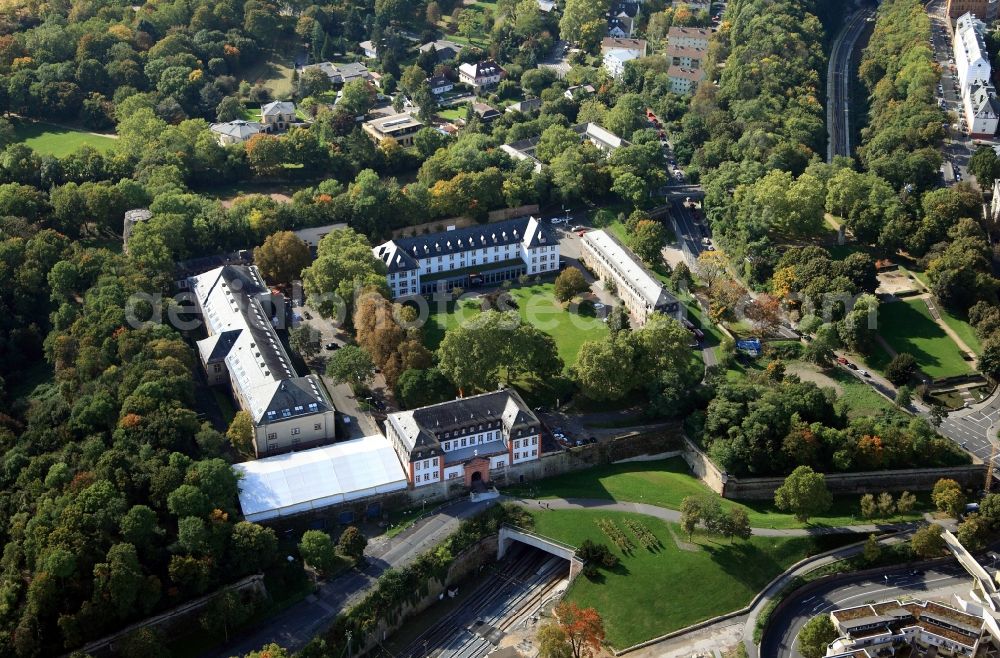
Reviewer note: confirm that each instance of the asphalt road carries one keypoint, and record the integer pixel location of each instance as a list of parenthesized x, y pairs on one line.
[(850, 591), (959, 146), (839, 83)]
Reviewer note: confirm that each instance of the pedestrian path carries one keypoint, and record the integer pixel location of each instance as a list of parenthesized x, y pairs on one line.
[(674, 516)]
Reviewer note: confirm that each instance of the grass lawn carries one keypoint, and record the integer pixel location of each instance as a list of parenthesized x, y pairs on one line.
[(452, 113), (274, 72), (537, 305), (861, 398), (666, 483), (653, 592), (961, 326), (46, 138), (909, 327)]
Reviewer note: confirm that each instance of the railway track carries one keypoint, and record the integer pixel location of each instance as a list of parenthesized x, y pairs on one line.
[(504, 599)]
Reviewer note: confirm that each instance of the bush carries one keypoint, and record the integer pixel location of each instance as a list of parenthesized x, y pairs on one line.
[(901, 369), (595, 554)]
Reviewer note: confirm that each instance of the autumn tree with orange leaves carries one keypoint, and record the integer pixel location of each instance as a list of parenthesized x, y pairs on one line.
[(578, 633)]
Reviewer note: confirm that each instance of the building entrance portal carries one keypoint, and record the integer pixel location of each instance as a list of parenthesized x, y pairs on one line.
[(477, 472)]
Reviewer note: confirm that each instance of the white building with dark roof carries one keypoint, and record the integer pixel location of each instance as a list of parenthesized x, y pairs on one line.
[(235, 132), (440, 84), (466, 438), (972, 62), (640, 291), (468, 257), (615, 52), (289, 412)]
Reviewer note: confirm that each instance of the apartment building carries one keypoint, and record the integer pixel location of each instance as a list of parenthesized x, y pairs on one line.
[(985, 9), (465, 439), (615, 52), (468, 257), (928, 628), (243, 350), (640, 291), (689, 37), (972, 62)]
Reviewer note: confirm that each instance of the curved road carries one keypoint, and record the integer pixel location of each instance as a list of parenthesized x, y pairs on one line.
[(838, 84), (854, 590)]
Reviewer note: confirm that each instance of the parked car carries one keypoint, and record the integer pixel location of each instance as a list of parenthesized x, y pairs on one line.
[(852, 366), (308, 315), (863, 372), (841, 360), (332, 346)]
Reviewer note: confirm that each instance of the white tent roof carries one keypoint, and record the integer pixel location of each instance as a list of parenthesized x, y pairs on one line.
[(311, 479)]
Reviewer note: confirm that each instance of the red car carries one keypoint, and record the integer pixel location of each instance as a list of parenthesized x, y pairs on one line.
[(841, 360)]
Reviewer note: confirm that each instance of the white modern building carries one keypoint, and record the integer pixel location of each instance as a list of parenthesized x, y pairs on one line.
[(369, 48), (310, 480), (465, 439), (398, 127), (640, 291), (243, 350), (468, 257), (615, 52)]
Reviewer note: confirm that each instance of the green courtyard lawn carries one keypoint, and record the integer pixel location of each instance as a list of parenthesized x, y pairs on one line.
[(653, 592), (908, 327), (49, 139), (536, 304), (274, 72), (665, 483), (452, 113)]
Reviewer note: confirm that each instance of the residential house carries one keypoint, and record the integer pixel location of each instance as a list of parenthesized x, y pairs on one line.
[(235, 132), (684, 80), (689, 37), (278, 115), (467, 257), (640, 291), (341, 74), (985, 9), (547, 6), (486, 113), (622, 17), (577, 92), (982, 110), (527, 106), (242, 349), (399, 127), (446, 50), (369, 49), (313, 234), (481, 75), (465, 440), (925, 628), (615, 52), (440, 84)]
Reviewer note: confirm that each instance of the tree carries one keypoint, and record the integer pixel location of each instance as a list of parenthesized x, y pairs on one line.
[(317, 550), (699, 509), (927, 542), (269, 651), (815, 635), (225, 612), (765, 314), (265, 153), (647, 241), (569, 284), (357, 97), (583, 627), (618, 319), (735, 523), (421, 387), (868, 506), (229, 109), (948, 497), (252, 547), (305, 340), (821, 349), (906, 502), (973, 532), (241, 433), (553, 643), (886, 505), (803, 493), (344, 262), (901, 368), (904, 396), (578, 21), (351, 365), (352, 543), (282, 257), (985, 166), (872, 550)]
